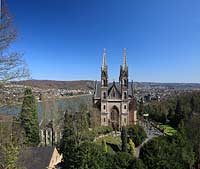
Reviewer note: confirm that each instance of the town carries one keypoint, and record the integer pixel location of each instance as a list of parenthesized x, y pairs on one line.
[(99, 84)]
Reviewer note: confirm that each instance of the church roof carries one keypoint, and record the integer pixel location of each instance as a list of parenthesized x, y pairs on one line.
[(35, 157), (114, 90), (97, 93)]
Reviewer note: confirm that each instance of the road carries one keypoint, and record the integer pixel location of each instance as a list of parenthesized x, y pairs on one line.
[(151, 133)]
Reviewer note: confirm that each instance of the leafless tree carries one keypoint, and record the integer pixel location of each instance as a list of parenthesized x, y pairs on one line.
[(12, 65)]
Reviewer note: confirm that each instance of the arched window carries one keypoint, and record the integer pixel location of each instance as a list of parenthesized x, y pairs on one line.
[(104, 119), (124, 106), (104, 107), (113, 93), (104, 95), (125, 82), (124, 120), (104, 82), (125, 95)]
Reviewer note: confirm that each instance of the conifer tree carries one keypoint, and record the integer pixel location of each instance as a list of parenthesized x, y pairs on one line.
[(178, 114), (11, 153), (124, 139), (29, 118), (74, 134), (105, 148), (132, 147)]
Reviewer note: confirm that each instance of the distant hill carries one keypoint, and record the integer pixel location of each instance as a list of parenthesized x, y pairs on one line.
[(89, 84), (168, 85), (79, 84)]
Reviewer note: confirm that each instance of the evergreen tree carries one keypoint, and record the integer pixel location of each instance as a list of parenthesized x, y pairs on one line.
[(193, 133), (124, 139), (178, 117), (10, 152), (167, 153), (122, 160), (104, 145), (136, 164), (132, 149), (67, 147), (88, 155), (29, 118), (74, 134), (192, 105), (141, 107), (137, 134)]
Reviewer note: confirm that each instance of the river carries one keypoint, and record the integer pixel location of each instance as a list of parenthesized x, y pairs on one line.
[(51, 108)]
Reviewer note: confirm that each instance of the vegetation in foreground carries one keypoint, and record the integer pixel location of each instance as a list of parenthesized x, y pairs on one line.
[(179, 114), (106, 152), (167, 129)]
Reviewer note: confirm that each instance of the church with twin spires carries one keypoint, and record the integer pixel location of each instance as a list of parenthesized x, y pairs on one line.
[(116, 100)]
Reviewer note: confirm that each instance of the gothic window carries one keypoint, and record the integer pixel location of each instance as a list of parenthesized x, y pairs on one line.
[(49, 132), (125, 82), (104, 82), (104, 107), (125, 95), (104, 119), (124, 120), (44, 132), (113, 93), (104, 95), (124, 106)]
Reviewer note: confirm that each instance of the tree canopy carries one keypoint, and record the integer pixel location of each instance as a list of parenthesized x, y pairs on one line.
[(29, 118), (12, 65)]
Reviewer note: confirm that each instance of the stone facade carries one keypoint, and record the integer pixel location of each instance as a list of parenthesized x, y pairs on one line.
[(50, 134), (117, 106), (55, 159)]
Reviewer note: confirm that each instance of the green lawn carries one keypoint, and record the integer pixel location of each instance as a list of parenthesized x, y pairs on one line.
[(110, 140), (168, 130)]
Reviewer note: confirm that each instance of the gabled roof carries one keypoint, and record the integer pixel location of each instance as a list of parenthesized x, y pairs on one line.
[(114, 89), (97, 93), (35, 157)]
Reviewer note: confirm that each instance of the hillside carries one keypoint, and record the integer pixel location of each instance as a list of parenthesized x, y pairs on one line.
[(45, 84), (89, 84)]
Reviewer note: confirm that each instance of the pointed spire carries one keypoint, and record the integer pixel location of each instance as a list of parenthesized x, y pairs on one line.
[(132, 90), (104, 58), (124, 63)]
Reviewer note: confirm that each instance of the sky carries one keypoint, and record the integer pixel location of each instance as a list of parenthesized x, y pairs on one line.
[(64, 39)]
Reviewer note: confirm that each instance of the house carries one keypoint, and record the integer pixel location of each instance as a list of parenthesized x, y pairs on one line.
[(39, 158)]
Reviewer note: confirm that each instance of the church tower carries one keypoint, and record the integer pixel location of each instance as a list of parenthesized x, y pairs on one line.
[(123, 79), (117, 107), (104, 90), (104, 77)]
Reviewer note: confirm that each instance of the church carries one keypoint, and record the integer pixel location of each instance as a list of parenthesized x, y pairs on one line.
[(116, 100)]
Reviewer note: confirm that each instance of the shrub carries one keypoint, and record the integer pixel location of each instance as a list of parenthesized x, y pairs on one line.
[(137, 134), (103, 130)]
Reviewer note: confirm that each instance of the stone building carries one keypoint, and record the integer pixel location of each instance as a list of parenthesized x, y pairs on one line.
[(50, 134), (115, 100)]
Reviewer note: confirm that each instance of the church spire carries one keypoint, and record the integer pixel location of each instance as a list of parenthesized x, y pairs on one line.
[(104, 58), (124, 63)]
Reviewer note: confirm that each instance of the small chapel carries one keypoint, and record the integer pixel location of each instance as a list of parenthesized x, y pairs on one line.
[(116, 100)]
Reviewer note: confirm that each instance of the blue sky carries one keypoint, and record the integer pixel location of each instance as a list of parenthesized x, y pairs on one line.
[(64, 40)]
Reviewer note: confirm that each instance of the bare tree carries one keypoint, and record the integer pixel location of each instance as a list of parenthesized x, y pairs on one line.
[(12, 65)]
